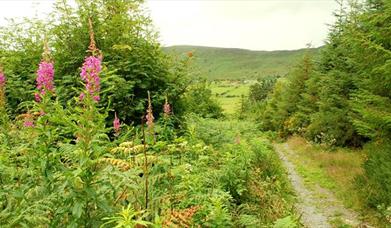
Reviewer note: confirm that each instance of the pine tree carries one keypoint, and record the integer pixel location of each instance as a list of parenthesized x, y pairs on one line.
[(281, 109)]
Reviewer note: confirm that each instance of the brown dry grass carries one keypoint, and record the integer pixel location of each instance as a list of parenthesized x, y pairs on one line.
[(181, 218), (342, 165)]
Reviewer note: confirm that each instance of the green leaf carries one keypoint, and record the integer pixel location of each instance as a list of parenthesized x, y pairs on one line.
[(77, 209)]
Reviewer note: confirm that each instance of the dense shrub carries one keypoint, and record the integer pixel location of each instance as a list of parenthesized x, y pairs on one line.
[(261, 89), (285, 99), (198, 99), (252, 106)]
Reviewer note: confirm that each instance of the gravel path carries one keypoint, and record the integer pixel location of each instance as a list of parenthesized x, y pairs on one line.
[(317, 206)]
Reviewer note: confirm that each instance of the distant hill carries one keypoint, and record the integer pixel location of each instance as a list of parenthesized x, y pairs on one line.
[(232, 63)]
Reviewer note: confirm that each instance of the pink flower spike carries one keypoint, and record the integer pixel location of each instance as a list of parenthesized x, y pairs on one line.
[(2, 79), (116, 124), (90, 70), (45, 77), (150, 118)]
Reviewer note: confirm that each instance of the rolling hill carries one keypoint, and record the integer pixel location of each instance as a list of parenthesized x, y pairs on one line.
[(234, 64)]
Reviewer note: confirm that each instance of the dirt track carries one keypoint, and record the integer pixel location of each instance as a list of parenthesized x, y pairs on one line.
[(317, 206)]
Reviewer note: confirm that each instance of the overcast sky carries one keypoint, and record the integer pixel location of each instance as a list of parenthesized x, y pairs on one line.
[(250, 24)]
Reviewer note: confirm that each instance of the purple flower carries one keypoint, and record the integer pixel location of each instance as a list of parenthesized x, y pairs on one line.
[(45, 77), (28, 123), (82, 96), (90, 70), (2, 79), (37, 97), (96, 98), (116, 124)]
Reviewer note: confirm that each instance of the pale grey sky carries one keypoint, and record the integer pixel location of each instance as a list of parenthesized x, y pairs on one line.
[(250, 24)]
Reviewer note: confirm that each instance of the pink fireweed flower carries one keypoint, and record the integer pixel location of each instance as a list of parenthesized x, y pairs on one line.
[(28, 123), (28, 119), (149, 118), (45, 77), (166, 109), (90, 70), (116, 124), (96, 98), (2, 79), (149, 115)]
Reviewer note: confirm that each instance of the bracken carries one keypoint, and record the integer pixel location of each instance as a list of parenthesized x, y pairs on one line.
[(123, 165)]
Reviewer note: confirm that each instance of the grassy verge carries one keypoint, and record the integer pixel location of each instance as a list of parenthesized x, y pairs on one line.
[(336, 170)]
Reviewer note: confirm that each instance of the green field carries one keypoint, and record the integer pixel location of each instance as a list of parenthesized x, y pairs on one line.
[(228, 94), (234, 64), (232, 70)]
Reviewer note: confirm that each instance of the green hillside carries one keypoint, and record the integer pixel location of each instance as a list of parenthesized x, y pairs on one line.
[(232, 63)]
